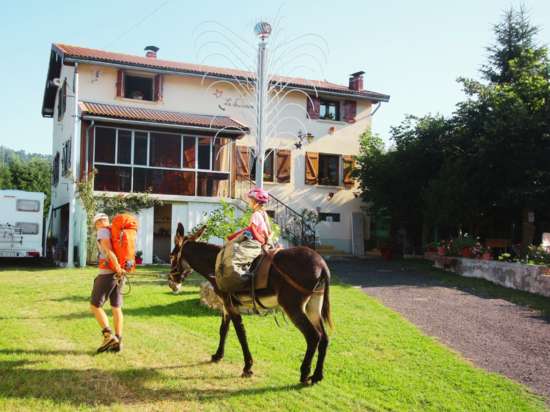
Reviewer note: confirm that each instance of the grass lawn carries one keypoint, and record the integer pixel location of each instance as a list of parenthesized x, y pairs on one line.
[(376, 360)]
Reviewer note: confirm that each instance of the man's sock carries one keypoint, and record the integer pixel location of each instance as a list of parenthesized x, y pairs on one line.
[(119, 337), (106, 330)]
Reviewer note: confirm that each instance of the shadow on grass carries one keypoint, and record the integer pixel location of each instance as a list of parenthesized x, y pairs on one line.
[(421, 273), (43, 352), (184, 308), (80, 387)]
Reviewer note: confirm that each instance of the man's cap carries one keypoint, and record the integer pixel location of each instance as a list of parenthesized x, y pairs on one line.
[(100, 216)]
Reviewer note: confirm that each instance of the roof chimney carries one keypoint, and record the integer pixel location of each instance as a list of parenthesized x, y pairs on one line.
[(356, 81), (151, 52)]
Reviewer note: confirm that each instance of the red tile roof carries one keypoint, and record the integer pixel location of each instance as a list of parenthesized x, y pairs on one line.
[(82, 53), (112, 111)]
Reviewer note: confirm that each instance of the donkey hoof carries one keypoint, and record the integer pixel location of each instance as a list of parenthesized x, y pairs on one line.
[(315, 379), (216, 358), (247, 374), (306, 381)]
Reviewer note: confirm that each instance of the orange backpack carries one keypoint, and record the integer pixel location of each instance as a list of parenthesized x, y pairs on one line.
[(123, 238)]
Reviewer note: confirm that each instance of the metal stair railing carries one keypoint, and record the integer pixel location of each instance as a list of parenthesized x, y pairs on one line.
[(293, 226)]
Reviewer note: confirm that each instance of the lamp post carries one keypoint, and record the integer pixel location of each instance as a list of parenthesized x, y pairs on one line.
[(262, 30)]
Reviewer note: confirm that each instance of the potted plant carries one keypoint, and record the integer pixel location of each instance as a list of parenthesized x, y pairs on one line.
[(139, 257), (487, 255), (442, 248), (386, 250)]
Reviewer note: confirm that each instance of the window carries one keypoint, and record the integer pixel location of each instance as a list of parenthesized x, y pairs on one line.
[(268, 166), (105, 145), (55, 171), (24, 205), (322, 169), (113, 178), (162, 163), (165, 150), (329, 169), (28, 228), (62, 101), (204, 153), (124, 147), (138, 87), (329, 217), (166, 182), (329, 110), (66, 160), (141, 140)]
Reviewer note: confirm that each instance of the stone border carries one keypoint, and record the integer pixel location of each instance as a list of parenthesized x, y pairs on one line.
[(520, 276)]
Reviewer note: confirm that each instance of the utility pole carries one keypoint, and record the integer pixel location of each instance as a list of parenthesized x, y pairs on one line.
[(263, 30)]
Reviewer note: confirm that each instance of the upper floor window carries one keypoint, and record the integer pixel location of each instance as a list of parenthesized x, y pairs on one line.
[(329, 169), (66, 159), (329, 110), (55, 169), (62, 101), (138, 87)]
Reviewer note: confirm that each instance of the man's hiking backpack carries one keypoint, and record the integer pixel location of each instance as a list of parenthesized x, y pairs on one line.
[(123, 238)]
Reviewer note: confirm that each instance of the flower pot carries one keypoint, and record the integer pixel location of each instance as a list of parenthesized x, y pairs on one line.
[(139, 261), (487, 256), (441, 251)]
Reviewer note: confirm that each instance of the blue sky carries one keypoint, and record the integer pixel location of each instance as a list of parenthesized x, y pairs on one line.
[(413, 51)]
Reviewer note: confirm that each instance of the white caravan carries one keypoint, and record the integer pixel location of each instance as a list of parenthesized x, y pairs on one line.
[(21, 223)]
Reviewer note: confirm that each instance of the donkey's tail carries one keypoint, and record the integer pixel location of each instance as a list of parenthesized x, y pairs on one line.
[(325, 310)]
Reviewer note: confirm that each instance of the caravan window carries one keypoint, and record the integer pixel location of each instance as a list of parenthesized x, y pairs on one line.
[(28, 228), (24, 205)]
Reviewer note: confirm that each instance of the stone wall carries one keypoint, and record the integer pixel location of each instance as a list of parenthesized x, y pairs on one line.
[(529, 278)]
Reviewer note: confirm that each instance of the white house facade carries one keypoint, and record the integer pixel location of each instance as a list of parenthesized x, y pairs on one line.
[(181, 132)]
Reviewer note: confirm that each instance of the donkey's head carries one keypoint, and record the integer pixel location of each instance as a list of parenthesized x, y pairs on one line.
[(180, 268)]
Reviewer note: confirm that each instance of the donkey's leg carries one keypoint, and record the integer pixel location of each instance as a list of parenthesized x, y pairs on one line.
[(224, 327), (294, 307), (313, 311), (241, 334)]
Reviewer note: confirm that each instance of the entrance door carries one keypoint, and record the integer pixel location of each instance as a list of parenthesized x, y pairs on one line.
[(161, 234)]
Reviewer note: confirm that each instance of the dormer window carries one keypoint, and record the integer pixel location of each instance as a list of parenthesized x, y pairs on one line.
[(329, 110), (138, 87)]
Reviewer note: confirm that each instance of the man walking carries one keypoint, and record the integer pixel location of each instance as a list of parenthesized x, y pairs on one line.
[(107, 285)]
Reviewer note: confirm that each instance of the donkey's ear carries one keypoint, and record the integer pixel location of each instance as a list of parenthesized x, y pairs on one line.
[(199, 232), (180, 230)]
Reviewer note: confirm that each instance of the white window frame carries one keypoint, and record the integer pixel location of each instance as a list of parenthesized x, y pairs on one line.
[(133, 166)]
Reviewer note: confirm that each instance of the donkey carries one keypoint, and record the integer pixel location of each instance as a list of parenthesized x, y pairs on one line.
[(298, 283)]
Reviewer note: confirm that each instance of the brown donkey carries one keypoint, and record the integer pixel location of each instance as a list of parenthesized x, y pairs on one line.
[(298, 283)]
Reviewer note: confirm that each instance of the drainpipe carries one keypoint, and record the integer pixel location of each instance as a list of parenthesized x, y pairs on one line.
[(88, 146), (74, 176)]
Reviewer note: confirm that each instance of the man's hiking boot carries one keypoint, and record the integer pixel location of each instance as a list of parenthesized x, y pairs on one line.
[(109, 340), (116, 347)]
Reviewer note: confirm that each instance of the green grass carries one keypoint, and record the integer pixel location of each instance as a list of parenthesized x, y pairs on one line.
[(376, 360)]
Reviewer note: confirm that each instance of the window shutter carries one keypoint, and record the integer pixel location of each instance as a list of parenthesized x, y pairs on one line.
[(120, 83), (312, 168), (350, 111), (348, 164), (313, 104), (159, 84), (283, 166), (243, 159)]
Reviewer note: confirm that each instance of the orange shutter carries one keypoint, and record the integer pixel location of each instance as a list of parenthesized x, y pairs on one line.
[(120, 83), (243, 161), (159, 83), (283, 166), (312, 168), (348, 163)]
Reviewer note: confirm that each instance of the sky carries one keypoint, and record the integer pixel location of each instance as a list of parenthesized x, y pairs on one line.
[(411, 50)]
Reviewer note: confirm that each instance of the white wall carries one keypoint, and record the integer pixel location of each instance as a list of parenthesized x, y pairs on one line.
[(146, 221)]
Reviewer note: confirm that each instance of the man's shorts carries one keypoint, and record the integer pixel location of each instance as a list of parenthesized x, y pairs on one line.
[(106, 286)]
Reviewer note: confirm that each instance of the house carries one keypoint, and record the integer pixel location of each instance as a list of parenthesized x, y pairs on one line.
[(180, 130)]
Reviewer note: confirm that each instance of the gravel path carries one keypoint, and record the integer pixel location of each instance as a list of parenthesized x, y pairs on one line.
[(493, 333)]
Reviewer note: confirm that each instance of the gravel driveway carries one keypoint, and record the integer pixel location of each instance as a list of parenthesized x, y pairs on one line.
[(493, 333)]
